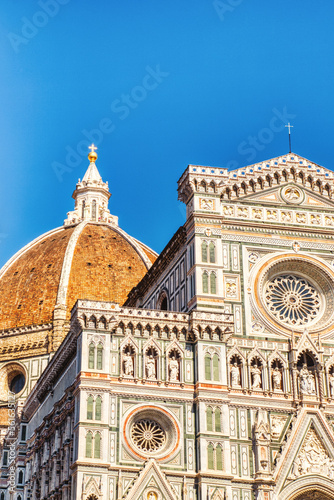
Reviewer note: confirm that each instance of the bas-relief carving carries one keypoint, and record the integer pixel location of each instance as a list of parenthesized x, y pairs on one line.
[(313, 458), (207, 204), (277, 423)]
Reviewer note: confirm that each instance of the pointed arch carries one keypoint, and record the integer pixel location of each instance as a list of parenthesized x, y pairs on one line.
[(213, 284), (102, 323), (210, 451), (91, 356), (209, 419), (94, 210), (205, 282), (219, 457), (212, 252), (99, 357), (218, 420), (97, 445), (90, 407), (98, 408), (204, 249), (89, 445), (207, 367), (215, 367)]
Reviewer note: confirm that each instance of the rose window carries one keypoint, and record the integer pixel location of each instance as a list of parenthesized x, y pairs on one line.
[(148, 435), (292, 299)]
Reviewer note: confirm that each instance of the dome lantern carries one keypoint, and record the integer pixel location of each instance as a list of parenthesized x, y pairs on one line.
[(91, 197)]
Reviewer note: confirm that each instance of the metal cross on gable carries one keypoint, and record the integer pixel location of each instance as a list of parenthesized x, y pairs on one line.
[(289, 127)]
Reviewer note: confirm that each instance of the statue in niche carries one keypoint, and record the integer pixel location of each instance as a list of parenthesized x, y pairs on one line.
[(331, 385), (235, 375), (311, 383), (256, 377), (128, 364), (173, 369), (150, 367), (307, 381), (277, 379)]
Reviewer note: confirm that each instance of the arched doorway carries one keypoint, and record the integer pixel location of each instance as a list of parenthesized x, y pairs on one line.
[(308, 487), (313, 495)]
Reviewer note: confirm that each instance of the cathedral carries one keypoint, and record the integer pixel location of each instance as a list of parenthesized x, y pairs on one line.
[(202, 373)]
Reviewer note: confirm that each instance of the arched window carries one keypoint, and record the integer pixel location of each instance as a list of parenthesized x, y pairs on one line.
[(19, 497), (212, 253), (98, 408), (92, 322), (212, 283), (219, 457), (207, 364), (94, 209), (91, 357), (205, 282), (217, 420), (204, 251), (20, 478), (99, 357), (210, 457), (215, 363), (90, 404), (89, 443), (83, 209), (209, 419), (164, 304), (97, 445), (2, 496)]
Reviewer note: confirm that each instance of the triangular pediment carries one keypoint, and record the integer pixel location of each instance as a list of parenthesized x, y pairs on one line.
[(290, 195), (306, 343), (151, 484), (309, 451), (285, 180), (92, 489)]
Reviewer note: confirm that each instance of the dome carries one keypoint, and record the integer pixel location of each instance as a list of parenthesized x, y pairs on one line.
[(90, 257)]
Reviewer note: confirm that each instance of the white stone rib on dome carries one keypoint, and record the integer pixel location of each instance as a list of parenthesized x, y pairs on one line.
[(27, 247)]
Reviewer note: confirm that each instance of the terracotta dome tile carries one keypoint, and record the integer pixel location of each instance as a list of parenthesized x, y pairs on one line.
[(28, 288)]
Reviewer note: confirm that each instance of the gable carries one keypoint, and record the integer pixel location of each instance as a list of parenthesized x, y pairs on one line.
[(309, 452), (151, 484), (288, 195)]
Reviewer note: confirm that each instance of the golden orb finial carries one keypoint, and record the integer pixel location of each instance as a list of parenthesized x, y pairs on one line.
[(92, 156)]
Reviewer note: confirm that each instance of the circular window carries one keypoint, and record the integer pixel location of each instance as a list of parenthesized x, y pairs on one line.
[(12, 379), (151, 431), (293, 292), (148, 435), (17, 383), (292, 299)]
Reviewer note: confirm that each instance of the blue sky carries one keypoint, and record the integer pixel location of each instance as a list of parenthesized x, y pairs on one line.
[(168, 83)]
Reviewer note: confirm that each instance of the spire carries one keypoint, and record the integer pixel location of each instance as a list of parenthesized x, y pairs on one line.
[(91, 196), (92, 174)]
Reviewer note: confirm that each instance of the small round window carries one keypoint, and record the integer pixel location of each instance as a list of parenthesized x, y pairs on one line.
[(17, 383)]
